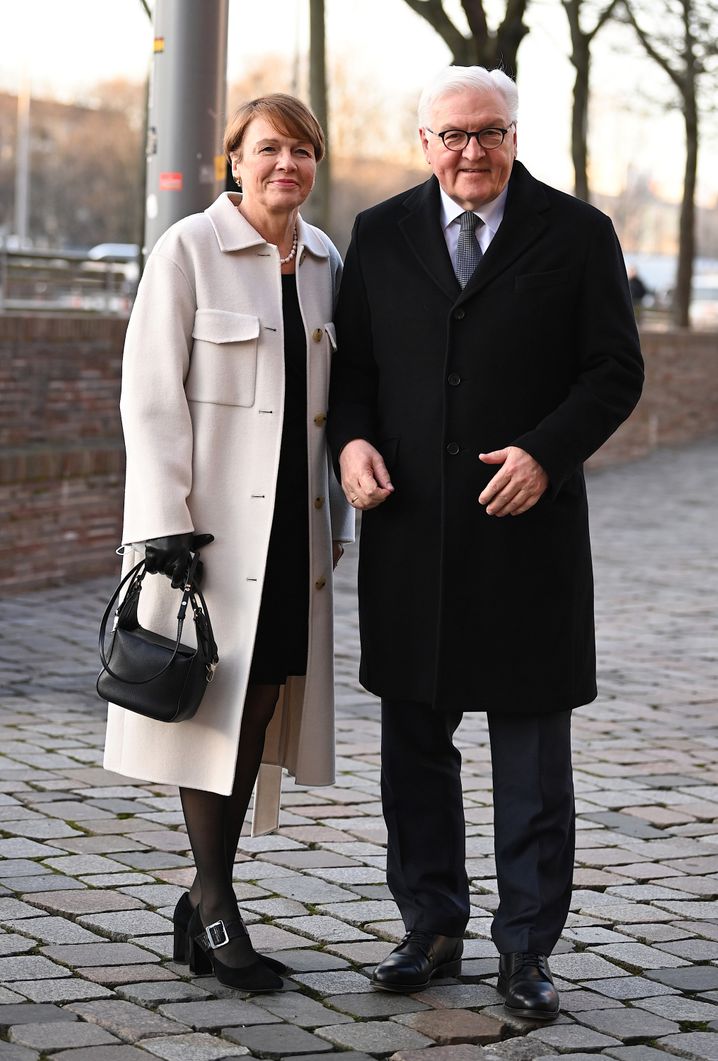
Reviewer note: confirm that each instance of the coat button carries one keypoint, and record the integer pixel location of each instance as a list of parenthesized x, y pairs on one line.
[(459, 314), (318, 502), (321, 582), (453, 448), (320, 419), (454, 379), (317, 335)]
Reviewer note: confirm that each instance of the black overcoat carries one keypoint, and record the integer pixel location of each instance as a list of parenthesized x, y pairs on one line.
[(540, 350)]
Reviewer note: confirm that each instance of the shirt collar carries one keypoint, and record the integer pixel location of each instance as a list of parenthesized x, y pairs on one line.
[(490, 213)]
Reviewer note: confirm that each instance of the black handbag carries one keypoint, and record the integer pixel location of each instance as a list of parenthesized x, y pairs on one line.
[(151, 674)]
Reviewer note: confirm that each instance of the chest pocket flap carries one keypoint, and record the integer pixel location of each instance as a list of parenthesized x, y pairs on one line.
[(223, 365)]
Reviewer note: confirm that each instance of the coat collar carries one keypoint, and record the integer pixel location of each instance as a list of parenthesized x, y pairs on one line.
[(234, 232), (525, 218)]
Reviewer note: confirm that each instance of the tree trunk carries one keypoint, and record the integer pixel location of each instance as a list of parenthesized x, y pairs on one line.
[(686, 228), (319, 206), (581, 59)]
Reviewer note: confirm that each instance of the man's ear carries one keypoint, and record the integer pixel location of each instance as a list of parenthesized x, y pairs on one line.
[(424, 144)]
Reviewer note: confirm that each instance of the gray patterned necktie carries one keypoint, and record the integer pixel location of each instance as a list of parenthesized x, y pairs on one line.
[(468, 251)]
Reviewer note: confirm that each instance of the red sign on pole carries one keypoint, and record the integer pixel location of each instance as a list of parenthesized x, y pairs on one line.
[(170, 182)]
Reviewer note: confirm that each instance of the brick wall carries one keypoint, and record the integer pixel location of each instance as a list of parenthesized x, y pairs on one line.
[(679, 401), (61, 456)]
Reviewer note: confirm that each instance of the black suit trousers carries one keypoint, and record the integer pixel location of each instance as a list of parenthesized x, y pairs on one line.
[(534, 823)]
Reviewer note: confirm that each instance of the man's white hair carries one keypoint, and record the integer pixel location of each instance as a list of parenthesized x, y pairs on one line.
[(454, 79)]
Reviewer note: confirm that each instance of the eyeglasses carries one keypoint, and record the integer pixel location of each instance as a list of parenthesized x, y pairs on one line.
[(457, 139)]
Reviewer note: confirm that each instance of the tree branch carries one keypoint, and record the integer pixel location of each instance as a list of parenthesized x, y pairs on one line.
[(515, 11), (651, 50), (476, 17), (433, 13), (513, 26), (603, 18)]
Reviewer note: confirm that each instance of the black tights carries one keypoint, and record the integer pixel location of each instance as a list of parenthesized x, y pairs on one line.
[(214, 822)]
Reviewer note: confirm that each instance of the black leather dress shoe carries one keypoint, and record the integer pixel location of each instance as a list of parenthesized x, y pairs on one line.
[(526, 984), (419, 957)]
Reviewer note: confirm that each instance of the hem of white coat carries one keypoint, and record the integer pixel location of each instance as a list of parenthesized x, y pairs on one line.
[(267, 799)]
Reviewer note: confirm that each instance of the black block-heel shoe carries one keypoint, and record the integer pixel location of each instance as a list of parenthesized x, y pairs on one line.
[(255, 975), (181, 919), (180, 951)]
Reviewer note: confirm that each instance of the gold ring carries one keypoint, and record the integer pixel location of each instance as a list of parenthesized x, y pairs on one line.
[(353, 499)]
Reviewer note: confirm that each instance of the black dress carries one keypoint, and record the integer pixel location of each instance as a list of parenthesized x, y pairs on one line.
[(280, 646)]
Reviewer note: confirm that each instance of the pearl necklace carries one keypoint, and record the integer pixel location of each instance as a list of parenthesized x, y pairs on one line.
[(293, 251)]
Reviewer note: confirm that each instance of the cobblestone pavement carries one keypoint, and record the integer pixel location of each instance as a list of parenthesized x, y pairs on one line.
[(93, 863)]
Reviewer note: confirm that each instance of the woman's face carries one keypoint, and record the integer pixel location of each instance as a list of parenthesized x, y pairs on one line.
[(276, 171)]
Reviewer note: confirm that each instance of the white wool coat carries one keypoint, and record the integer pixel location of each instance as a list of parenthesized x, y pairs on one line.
[(202, 410)]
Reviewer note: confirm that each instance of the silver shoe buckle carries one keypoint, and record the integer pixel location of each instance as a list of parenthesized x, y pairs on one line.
[(217, 935)]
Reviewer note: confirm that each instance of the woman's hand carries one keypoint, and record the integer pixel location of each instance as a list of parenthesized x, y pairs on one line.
[(171, 555)]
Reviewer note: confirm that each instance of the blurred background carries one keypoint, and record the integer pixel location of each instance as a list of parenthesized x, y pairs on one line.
[(73, 89), (617, 105)]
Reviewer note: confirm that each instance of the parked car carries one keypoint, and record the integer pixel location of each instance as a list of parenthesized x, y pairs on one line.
[(117, 252), (116, 262)]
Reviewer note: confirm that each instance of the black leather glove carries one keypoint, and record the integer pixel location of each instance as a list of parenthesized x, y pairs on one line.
[(171, 555)]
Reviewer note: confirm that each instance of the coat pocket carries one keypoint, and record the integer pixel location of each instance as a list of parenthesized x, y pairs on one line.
[(223, 364)]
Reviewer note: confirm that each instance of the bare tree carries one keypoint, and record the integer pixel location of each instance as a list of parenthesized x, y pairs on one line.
[(680, 37), (484, 46), (581, 42)]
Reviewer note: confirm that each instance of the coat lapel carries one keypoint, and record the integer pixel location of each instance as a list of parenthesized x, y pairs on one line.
[(525, 218), (233, 231), (421, 227)]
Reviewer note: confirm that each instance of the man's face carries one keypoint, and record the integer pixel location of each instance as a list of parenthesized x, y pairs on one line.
[(474, 176)]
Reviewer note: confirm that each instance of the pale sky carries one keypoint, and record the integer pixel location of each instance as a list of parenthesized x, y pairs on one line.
[(66, 46)]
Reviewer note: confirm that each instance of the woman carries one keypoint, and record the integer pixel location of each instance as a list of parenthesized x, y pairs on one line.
[(224, 401)]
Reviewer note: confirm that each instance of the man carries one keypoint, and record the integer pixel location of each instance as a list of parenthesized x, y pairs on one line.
[(487, 347), (638, 290)]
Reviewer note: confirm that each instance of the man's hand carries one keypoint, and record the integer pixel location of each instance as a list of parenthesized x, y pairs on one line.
[(365, 480), (517, 485)]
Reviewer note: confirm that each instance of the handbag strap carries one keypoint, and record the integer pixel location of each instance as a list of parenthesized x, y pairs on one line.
[(203, 624), (189, 591)]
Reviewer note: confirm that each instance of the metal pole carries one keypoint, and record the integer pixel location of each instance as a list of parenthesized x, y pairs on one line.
[(185, 167), (319, 207), (22, 163)]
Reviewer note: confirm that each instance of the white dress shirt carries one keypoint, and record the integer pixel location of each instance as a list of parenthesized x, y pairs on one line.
[(492, 214)]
